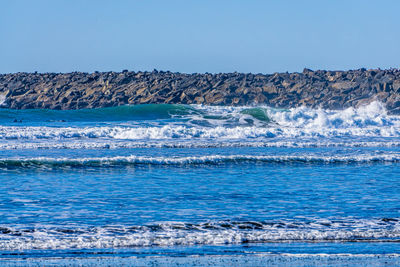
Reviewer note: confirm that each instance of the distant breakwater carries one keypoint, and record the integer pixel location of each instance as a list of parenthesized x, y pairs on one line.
[(78, 90)]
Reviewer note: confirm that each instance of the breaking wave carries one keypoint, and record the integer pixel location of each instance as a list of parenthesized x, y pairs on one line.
[(192, 160), (207, 233), (213, 123)]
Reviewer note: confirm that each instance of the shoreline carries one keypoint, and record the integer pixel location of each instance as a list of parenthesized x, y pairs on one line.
[(316, 89), (215, 260)]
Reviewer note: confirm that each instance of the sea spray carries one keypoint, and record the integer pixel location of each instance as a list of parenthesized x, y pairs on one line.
[(179, 122)]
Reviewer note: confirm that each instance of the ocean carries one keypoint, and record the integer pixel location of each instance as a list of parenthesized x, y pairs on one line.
[(200, 185)]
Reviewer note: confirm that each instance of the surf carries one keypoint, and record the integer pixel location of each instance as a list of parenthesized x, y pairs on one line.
[(224, 232), (134, 160)]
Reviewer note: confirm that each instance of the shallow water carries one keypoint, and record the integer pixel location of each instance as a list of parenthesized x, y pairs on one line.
[(174, 180)]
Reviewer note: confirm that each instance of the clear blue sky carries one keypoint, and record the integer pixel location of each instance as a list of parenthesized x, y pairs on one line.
[(198, 36)]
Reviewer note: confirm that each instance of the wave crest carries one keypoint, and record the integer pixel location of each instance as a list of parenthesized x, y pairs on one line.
[(191, 160), (225, 123), (207, 233)]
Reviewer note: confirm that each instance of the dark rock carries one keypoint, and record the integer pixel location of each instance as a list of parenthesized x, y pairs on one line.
[(327, 89)]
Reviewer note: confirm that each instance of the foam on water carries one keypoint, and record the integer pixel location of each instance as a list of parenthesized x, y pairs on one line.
[(208, 233), (194, 160), (102, 144), (185, 133), (230, 123), (235, 176)]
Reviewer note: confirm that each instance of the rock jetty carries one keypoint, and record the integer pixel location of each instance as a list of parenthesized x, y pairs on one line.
[(77, 90)]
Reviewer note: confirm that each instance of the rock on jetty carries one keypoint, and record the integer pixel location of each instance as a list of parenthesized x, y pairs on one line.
[(77, 90)]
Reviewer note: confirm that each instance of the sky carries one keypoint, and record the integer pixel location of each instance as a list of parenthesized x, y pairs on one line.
[(257, 36)]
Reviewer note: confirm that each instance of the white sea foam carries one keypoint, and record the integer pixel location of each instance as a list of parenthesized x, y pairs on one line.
[(365, 122), (185, 132), (193, 160), (96, 144), (210, 233)]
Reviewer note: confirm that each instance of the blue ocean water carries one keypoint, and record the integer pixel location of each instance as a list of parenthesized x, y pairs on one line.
[(176, 180)]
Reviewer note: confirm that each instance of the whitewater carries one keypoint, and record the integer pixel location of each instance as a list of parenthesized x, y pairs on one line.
[(199, 126), (194, 180)]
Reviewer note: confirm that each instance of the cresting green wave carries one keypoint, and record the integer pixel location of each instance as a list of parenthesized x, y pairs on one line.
[(257, 113), (122, 113)]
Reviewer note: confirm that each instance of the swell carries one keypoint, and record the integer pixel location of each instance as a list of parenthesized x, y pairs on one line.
[(41, 162), (207, 233), (120, 113), (130, 112)]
